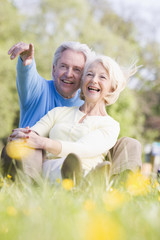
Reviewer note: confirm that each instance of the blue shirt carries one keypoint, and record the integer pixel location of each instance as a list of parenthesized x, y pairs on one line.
[(37, 96)]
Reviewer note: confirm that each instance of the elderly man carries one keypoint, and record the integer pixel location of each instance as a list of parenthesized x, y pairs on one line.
[(37, 95)]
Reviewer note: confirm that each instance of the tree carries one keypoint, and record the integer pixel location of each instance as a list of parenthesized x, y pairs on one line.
[(10, 32)]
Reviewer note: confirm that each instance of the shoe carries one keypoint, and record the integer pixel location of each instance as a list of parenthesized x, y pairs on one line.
[(72, 168)]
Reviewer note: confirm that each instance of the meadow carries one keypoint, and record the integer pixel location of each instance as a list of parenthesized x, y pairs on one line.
[(93, 211)]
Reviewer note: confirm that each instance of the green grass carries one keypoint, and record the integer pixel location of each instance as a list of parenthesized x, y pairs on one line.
[(42, 212)]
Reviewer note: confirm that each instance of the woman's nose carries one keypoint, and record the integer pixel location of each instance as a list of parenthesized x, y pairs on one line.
[(94, 80)]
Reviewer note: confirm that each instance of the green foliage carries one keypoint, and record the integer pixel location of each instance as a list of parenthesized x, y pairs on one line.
[(10, 33), (50, 212), (127, 112)]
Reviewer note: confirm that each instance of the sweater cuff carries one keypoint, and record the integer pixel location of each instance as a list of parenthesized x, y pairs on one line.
[(65, 149), (20, 65)]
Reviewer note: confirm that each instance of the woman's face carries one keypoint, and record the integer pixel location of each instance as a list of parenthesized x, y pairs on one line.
[(96, 83)]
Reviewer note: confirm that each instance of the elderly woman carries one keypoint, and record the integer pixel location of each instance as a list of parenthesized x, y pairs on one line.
[(77, 139)]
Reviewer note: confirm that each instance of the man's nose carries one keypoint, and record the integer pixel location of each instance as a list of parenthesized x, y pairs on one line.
[(69, 72)]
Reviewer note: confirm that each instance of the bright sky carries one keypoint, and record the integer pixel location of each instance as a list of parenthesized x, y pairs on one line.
[(145, 14)]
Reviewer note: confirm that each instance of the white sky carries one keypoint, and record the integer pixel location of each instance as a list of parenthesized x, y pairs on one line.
[(145, 13)]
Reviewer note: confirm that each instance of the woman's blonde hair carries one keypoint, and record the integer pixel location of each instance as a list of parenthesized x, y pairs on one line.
[(117, 75)]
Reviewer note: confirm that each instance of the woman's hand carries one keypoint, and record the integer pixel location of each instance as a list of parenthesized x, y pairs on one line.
[(30, 138), (19, 133)]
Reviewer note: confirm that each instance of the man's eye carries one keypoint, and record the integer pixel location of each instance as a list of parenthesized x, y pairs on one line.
[(63, 66), (77, 70)]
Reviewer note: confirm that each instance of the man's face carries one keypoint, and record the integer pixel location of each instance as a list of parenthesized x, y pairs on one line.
[(68, 72)]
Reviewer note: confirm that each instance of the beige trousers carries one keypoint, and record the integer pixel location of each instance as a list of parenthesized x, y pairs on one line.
[(125, 155)]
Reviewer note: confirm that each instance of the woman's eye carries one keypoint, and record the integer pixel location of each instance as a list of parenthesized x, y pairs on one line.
[(102, 77), (89, 74)]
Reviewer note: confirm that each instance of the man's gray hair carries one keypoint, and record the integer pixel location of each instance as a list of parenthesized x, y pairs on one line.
[(75, 46)]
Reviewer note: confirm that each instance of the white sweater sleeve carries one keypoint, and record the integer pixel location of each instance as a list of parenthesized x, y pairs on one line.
[(44, 125), (97, 142)]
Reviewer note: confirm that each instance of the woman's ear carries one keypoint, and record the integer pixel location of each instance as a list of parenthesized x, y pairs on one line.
[(111, 89)]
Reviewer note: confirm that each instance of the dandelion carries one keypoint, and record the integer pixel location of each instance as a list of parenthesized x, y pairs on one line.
[(89, 205), (11, 211), (114, 199), (58, 180), (102, 227), (9, 176), (17, 149), (137, 184), (67, 184)]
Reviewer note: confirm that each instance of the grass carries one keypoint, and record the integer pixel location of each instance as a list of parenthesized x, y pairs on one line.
[(129, 210)]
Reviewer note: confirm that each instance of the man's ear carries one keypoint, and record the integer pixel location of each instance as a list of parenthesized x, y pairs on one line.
[(53, 68)]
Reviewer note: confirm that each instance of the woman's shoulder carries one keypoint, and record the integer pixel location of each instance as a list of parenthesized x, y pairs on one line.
[(111, 119), (108, 121), (62, 112)]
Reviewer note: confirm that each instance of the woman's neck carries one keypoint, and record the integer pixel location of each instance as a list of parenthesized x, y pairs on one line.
[(93, 109)]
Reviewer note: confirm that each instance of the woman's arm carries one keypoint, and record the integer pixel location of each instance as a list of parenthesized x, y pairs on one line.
[(33, 140), (91, 145)]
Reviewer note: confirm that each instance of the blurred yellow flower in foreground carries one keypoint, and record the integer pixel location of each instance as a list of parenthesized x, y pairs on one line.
[(17, 149), (11, 211), (67, 184), (114, 199), (137, 184), (89, 205), (58, 180), (102, 227), (9, 176)]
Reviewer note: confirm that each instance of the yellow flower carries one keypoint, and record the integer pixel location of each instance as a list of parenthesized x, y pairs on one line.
[(9, 176), (89, 205), (137, 184), (17, 149), (114, 199), (102, 227), (11, 211), (58, 180), (67, 184)]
